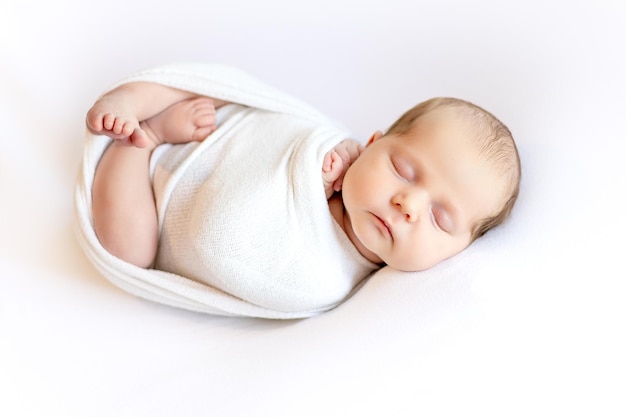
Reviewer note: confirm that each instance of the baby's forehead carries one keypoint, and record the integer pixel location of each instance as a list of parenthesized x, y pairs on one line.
[(459, 124), (449, 127), (445, 116)]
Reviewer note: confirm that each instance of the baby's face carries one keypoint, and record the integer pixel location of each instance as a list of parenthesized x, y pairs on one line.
[(413, 200)]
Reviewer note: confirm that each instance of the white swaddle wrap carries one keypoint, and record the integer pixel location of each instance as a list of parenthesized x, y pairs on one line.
[(245, 227)]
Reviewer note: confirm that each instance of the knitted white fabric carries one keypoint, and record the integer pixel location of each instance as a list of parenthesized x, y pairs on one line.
[(245, 228)]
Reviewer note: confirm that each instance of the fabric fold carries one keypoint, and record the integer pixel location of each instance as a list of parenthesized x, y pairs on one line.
[(245, 228)]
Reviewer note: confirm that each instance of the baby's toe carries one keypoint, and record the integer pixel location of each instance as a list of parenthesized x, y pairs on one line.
[(203, 104), (108, 121), (202, 132), (128, 129), (94, 122), (139, 138), (118, 126), (204, 120)]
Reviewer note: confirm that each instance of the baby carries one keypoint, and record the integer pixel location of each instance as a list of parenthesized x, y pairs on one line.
[(443, 174)]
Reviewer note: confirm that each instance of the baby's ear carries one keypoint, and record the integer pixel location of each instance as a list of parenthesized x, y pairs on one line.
[(377, 135)]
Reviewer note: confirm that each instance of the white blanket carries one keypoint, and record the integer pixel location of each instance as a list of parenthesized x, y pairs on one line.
[(245, 228)]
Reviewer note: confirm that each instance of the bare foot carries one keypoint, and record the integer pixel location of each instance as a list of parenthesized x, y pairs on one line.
[(191, 120), (110, 117)]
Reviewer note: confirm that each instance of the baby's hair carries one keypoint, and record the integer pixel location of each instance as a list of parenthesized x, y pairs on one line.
[(494, 142)]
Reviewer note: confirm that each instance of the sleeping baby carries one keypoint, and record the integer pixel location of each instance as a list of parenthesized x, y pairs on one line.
[(216, 179)]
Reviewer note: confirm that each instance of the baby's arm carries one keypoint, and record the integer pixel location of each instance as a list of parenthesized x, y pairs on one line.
[(336, 163)]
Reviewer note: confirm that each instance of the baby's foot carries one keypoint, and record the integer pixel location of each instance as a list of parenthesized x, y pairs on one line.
[(107, 117), (190, 120)]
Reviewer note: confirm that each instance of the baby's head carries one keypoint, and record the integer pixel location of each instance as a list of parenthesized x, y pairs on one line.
[(444, 174)]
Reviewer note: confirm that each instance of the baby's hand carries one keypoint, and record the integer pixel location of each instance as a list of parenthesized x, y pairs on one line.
[(336, 163)]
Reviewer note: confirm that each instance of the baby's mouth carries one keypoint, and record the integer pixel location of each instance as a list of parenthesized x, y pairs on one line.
[(384, 225)]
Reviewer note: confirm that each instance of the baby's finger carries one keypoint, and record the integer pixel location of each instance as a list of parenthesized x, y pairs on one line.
[(326, 165), (331, 160), (338, 184), (356, 150)]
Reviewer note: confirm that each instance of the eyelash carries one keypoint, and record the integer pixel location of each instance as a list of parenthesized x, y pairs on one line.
[(435, 220), (401, 171), (438, 221)]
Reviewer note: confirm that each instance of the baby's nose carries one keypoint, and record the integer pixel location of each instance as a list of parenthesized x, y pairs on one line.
[(411, 204)]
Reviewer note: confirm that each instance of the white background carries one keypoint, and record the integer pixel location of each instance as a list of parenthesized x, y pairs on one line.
[(529, 321)]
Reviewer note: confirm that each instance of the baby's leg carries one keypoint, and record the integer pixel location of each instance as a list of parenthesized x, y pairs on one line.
[(117, 114), (144, 115), (186, 121), (124, 211)]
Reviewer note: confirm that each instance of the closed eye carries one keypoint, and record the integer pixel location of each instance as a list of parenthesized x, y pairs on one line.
[(441, 219), (403, 168)]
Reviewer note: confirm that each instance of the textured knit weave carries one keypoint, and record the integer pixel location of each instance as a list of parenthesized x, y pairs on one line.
[(244, 222)]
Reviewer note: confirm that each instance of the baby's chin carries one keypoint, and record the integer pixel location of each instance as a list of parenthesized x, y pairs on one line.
[(422, 264), (412, 266)]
